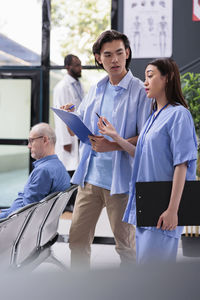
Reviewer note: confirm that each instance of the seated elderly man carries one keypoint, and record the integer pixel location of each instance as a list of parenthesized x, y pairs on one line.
[(49, 174)]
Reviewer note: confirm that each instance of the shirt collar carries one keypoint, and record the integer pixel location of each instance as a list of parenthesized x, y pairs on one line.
[(71, 79), (41, 160), (123, 83)]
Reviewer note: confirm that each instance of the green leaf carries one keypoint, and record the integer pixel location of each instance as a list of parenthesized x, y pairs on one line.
[(190, 83)]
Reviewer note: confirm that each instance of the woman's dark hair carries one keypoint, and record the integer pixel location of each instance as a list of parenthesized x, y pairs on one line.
[(169, 68), (109, 36)]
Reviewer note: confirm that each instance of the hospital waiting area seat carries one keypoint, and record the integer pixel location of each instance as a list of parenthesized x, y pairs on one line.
[(25, 233), (35, 237), (34, 251)]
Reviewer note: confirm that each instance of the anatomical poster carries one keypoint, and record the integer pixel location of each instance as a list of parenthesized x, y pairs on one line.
[(148, 25), (196, 10)]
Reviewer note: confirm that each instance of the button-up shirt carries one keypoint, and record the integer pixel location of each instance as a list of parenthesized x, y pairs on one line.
[(48, 176), (131, 110)]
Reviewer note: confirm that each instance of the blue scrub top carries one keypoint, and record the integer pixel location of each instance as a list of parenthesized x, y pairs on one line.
[(170, 140)]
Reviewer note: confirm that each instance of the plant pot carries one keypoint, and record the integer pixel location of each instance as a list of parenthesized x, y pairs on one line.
[(191, 245)]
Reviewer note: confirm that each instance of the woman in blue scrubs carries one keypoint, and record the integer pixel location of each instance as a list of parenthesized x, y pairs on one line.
[(166, 151)]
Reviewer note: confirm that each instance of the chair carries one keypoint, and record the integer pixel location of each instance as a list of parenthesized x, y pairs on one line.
[(28, 244), (50, 226), (10, 231)]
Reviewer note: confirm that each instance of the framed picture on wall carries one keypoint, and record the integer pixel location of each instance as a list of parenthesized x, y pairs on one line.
[(196, 10), (148, 24)]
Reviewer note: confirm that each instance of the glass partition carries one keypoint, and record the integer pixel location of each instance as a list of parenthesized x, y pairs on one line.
[(89, 78), (15, 113), (14, 170), (20, 34), (15, 104), (75, 25)]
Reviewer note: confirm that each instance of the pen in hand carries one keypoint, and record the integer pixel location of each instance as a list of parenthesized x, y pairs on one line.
[(71, 106), (99, 118)]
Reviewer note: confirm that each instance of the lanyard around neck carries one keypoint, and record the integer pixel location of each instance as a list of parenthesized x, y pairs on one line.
[(150, 122)]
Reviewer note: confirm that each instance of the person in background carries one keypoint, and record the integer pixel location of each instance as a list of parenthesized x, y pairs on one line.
[(105, 169), (49, 174), (69, 89), (166, 151)]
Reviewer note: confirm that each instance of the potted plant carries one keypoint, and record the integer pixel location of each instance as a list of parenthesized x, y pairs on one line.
[(190, 83)]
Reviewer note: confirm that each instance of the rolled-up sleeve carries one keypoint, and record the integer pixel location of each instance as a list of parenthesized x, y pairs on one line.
[(183, 143)]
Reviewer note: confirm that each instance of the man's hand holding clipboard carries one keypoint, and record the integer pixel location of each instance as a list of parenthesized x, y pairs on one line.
[(73, 121)]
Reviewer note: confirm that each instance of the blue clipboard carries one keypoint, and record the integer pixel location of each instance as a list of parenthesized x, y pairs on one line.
[(74, 123)]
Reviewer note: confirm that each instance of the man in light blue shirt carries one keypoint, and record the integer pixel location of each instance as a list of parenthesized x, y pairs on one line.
[(49, 174), (104, 170)]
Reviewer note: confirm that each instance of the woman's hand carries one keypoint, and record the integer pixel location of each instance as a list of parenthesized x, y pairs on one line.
[(168, 220), (67, 107), (107, 128)]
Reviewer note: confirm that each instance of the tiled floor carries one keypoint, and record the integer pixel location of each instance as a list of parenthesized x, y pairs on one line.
[(103, 256)]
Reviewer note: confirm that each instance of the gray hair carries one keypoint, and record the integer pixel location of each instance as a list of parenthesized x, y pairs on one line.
[(45, 129)]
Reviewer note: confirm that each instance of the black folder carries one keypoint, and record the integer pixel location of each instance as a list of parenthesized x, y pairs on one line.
[(152, 199)]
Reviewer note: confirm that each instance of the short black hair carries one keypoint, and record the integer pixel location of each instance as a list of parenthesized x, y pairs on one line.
[(109, 36), (68, 59)]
